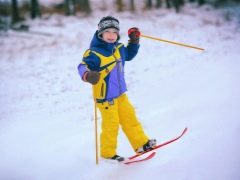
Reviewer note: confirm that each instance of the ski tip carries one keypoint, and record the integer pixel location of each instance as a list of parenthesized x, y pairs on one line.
[(184, 131)]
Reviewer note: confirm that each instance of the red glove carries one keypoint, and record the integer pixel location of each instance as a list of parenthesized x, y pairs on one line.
[(134, 35)]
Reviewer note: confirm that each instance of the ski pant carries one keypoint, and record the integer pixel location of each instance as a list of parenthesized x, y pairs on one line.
[(119, 112)]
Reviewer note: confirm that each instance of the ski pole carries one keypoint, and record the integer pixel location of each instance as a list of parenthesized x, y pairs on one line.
[(171, 42), (96, 131)]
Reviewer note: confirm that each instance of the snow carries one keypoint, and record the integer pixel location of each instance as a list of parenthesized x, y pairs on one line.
[(46, 122)]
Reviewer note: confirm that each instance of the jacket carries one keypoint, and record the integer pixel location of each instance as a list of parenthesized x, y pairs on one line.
[(109, 60)]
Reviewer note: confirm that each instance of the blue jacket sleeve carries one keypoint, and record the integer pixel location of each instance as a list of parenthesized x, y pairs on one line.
[(131, 51), (90, 62)]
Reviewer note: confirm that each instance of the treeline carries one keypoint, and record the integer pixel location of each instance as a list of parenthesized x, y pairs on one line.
[(12, 12)]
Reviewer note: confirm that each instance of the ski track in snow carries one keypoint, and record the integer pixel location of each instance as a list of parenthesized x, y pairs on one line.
[(46, 122)]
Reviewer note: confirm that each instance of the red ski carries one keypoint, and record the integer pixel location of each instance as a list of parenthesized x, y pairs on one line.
[(150, 156)]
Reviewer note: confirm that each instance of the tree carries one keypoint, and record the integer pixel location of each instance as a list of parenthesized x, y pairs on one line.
[(35, 9), (149, 4), (200, 2), (132, 6), (158, 3), (85, 6), (120, 5), (176, 3), (70, 7), (5, 13), (168, 3), (103, 5), (15, 12)]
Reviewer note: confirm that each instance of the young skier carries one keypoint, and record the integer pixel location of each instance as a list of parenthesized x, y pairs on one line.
[(103, 66)]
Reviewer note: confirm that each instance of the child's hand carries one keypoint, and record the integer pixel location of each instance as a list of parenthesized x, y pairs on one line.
[(134, 35), (92, 77)]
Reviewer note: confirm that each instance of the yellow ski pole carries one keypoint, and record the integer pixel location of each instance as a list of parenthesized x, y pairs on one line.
[(96, 131), (96, 127), (171, 42)]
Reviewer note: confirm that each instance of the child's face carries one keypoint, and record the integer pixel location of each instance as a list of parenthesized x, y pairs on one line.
[(110, 35)]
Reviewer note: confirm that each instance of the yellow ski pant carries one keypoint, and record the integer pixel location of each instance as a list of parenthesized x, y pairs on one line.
[(120, 112)]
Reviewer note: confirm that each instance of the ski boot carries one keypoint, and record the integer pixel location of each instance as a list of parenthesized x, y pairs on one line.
[(117, 158), (150, 144)]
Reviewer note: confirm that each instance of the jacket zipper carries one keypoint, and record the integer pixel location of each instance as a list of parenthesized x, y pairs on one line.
[(118, 71), (102, 90)]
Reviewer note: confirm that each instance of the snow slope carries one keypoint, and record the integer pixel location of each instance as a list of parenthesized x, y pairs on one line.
[(46, 121)]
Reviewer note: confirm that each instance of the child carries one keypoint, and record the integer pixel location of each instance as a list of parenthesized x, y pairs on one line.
[(103, 67)]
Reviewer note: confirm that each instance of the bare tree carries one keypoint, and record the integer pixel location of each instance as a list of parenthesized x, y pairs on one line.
[(103, 5), (120, 5), (132, 6)]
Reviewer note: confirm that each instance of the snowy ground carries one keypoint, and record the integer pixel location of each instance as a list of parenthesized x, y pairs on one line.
[(46, 121)]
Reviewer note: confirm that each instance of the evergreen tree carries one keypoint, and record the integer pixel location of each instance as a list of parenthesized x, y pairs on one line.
[(175, 3), (70, 7), (5, 14), (158, 3), (35, 9), (85, 6), (15, 12), (149, 4)]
